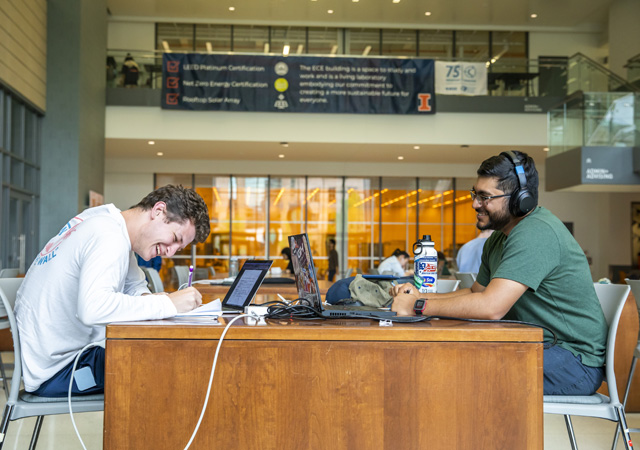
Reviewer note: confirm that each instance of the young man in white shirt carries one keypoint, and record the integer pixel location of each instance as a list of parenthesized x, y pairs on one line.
[(87, 276)]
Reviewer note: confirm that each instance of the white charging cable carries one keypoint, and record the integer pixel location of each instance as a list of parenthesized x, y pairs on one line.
[(75, 363), (213, 370)]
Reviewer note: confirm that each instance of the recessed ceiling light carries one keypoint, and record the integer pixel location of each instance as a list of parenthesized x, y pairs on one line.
[(355, 1), (428, 13), (330, 11), (284, 144), (160, 154), (534, 15), (416, 147), (400, 157), (232, 8), (280, 156), (396, 1), (152, 142), (545, 149)]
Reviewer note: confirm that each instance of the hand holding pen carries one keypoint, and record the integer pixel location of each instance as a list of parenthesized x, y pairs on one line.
[(190, 276)]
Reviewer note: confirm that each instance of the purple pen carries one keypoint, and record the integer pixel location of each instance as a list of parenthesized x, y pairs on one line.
[(190, 275)]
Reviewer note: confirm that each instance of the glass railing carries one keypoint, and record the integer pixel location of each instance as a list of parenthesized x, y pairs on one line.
[(586, 75), (505, 77), (595, 119), (633, 70)]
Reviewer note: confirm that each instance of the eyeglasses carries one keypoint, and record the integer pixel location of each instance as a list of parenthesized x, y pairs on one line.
[(483, 199)]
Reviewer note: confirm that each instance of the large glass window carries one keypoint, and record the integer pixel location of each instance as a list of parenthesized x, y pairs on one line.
[(324, 41), (437, 44), (250, 39), (323, 202), (213, 38), (287, 207), (175, 37), (363, 41), (293, 37), (399, 42), (472, 45), (252, 216)]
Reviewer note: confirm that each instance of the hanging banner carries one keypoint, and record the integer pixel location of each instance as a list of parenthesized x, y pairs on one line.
[(461, 78), (298, 84)]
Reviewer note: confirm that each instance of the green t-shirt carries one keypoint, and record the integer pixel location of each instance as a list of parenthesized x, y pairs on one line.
[(541, 254)]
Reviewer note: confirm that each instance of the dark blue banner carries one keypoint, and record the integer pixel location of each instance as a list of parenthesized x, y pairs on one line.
[(316, 84)]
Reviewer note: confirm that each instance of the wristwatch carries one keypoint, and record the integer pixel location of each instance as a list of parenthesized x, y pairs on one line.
[(419, 306)]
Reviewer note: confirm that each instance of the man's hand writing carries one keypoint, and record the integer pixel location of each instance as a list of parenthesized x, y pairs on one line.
[(406, 288), (403, 304), (186, 299)]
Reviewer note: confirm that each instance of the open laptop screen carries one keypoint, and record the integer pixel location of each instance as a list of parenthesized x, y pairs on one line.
[(246, 284), (304, 270)]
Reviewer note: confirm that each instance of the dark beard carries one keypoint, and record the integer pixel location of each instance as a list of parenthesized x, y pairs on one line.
[(497, 220)]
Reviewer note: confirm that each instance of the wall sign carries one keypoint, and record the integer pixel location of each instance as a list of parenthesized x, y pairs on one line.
[(298, 84)]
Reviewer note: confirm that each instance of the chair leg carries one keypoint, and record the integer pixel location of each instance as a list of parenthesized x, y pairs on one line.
[(634, 361), (6, 418), (5, 386), (572, 436), (622, 421), (36, 433)]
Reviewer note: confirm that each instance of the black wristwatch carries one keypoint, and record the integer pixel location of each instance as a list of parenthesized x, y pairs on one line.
[(419, 306)]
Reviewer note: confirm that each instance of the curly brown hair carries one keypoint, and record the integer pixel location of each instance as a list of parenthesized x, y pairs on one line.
[(182, 204)]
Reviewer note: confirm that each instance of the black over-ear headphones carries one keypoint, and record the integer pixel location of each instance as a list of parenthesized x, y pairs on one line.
[(521, 201)]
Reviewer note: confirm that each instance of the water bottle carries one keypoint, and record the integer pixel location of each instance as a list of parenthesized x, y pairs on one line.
[(233, 267), (425, 259)]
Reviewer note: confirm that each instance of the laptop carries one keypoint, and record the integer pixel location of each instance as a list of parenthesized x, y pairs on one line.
[(245, 286), (307, 284)]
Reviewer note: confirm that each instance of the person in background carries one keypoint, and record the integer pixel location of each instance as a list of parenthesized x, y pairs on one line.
[(286, 255), (87, 276), (395, 264), (532, 270), (130, 71), (443, 266), (153, 263), (470, 254), (333, 259)]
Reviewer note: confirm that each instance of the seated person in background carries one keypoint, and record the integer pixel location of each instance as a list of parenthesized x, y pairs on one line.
[(286, 255), (443, 266), (153, 263), (532, 270), (333, 259), (395, 264), (470, 254), (87, 276)]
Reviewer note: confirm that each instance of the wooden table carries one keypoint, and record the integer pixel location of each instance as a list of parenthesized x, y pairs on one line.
[(211, 292), (340, 384)]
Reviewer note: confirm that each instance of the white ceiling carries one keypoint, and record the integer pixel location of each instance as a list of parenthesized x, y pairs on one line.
[(307, 152), (515, 14), (478, 14)]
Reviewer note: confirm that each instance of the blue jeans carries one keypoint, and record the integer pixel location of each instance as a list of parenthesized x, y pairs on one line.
[(564, 374), (58, 385)]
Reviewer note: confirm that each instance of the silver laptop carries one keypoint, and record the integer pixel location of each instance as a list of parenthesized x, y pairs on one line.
[(307, 284)]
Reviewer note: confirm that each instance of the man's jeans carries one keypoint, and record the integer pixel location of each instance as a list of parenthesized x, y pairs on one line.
[(58, 385), (564, 374)]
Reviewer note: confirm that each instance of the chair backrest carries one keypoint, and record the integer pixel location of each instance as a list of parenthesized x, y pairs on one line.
[(612, 298), (153, 278), (466, 279), (9, 273), (373, 271), (212, 272), (635, 290), (8, 290), (445, 286), (182, 274)]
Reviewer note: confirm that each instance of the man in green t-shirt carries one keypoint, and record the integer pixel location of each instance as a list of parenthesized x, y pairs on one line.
[(532, 270)]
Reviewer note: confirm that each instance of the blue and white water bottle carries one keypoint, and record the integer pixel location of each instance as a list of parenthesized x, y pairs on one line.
[(425, 258)]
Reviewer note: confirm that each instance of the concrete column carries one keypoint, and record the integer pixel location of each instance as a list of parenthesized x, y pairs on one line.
[(624, 34), (73, 126)]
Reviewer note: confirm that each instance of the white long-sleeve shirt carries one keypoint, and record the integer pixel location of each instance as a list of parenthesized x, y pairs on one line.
[(84, 278)]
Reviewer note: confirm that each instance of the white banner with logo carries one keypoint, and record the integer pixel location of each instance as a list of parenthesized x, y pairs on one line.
[(461, 78)]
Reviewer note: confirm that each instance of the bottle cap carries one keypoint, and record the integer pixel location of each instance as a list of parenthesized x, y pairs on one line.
[(426, 237)]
